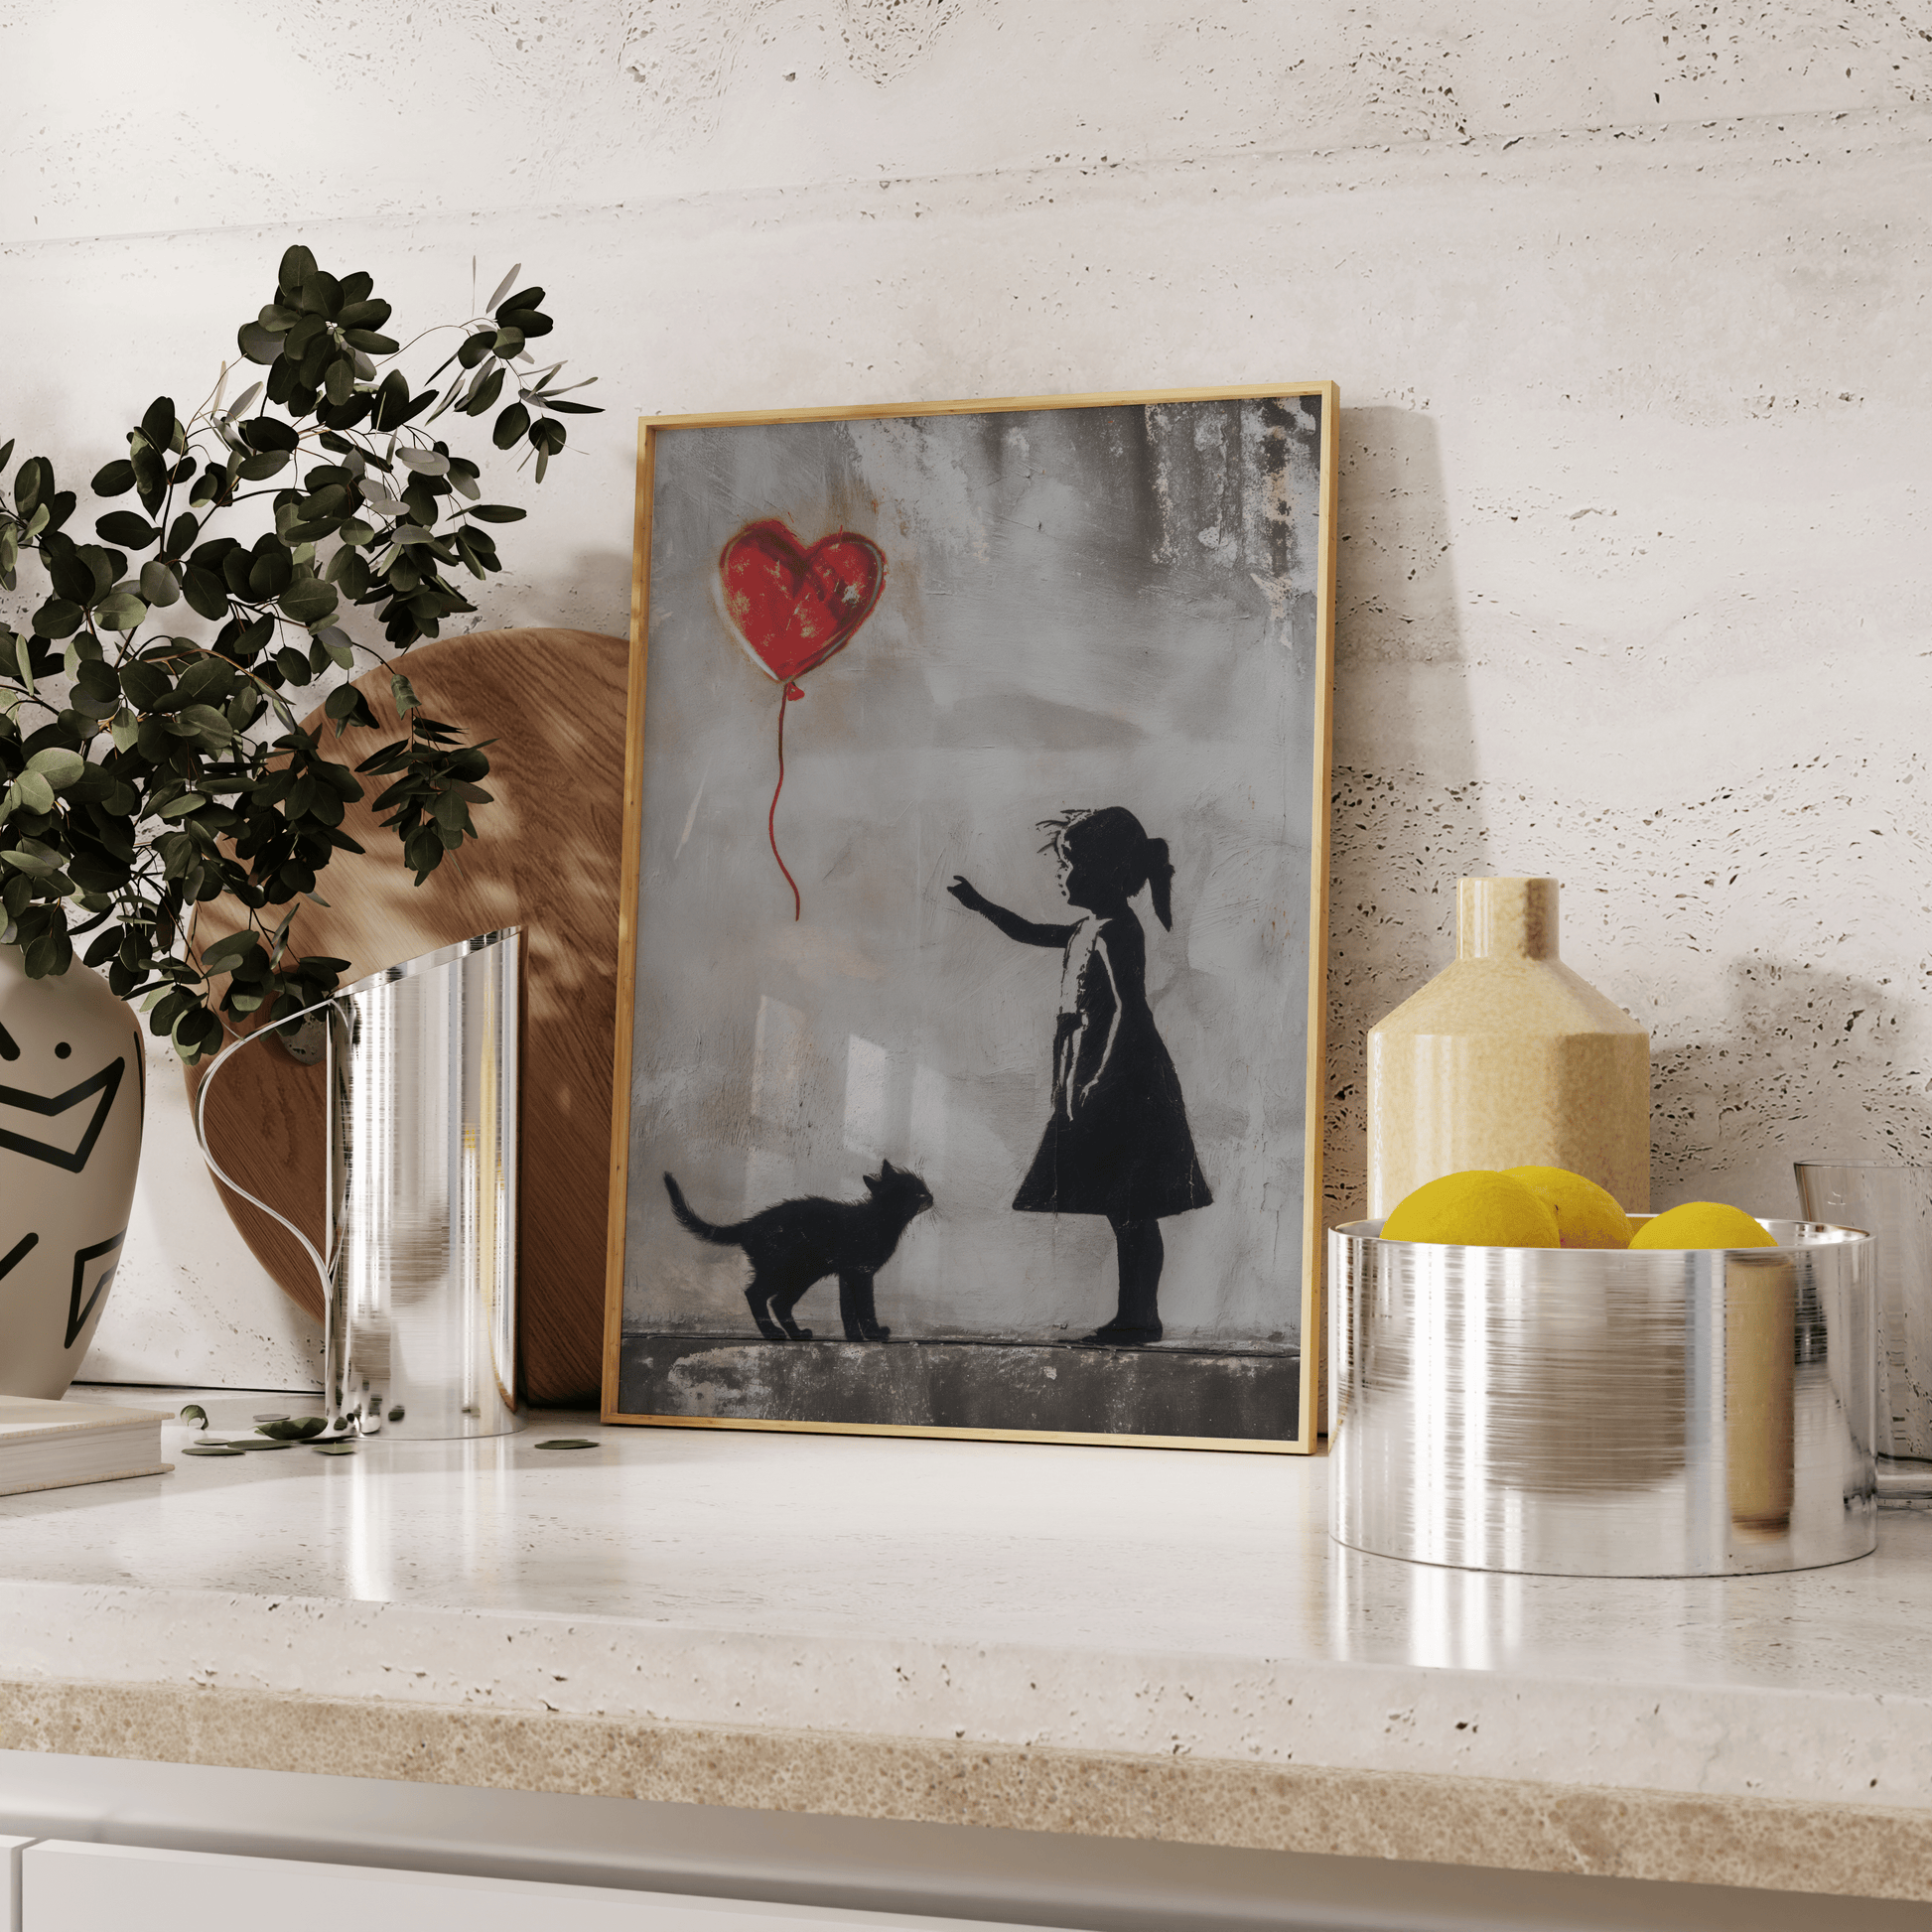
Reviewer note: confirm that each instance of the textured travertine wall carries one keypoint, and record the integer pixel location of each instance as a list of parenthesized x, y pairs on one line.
[(1628, 313)]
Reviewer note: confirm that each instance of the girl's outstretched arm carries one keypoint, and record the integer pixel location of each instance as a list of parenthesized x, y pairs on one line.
[(1028, 932)]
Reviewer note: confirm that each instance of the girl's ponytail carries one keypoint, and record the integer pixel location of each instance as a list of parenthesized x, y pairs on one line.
[(1160, 876)]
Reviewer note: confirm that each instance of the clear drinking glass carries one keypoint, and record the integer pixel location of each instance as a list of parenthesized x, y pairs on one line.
[(1893, 1205)]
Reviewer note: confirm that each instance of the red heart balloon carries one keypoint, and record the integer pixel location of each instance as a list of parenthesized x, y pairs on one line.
[(793, 606)]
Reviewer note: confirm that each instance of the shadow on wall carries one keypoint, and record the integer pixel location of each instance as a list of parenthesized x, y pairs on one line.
[(590, 591), (1406, 817), (1803, 1066)]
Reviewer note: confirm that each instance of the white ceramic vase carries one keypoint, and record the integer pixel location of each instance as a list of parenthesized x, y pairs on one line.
[(73, 1081)]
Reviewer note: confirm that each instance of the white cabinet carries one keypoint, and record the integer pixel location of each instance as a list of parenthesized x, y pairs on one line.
[(10, 1850), (68, 1886)]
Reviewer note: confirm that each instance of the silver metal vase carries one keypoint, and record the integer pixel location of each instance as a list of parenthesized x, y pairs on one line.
[(419, 1281)]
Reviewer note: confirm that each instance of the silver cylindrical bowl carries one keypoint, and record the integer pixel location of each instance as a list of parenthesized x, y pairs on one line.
[(1605, 1412)]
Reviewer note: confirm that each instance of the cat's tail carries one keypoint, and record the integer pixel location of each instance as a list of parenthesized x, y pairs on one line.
[(703, 1229)]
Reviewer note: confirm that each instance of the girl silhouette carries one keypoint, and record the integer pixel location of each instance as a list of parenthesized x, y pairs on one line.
[(1117, 1141)]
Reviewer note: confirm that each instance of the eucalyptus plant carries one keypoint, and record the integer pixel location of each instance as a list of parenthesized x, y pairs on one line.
[(153, 763)]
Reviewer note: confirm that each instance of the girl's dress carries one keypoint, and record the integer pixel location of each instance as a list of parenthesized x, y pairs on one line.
[(1123, 1150)]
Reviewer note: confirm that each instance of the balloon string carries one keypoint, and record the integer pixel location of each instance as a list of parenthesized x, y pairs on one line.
[(792, 691)]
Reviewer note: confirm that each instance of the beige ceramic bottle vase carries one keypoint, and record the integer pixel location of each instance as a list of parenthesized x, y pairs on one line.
[(1506, 1059)]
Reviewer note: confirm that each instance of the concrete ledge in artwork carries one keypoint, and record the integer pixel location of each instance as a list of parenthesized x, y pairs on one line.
[(1775, 1844), (1170, 1392)]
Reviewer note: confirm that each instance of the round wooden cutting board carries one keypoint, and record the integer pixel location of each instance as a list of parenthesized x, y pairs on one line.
[(547, 860)]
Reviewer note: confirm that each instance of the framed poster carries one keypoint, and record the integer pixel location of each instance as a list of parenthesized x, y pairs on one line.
[(974, 918)]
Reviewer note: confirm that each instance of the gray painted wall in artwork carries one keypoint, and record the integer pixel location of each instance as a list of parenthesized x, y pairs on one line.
[(1081, 609)]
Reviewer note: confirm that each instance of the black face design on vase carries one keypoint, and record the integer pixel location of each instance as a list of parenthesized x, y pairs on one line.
[(67, 1143), (60, 1130)]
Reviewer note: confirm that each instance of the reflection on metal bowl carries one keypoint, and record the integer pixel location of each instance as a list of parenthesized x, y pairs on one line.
[(1602, 1411)]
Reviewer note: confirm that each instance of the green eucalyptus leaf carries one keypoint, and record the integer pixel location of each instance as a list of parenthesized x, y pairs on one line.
[(486, 393), (145, 684), (99, 679), (525, 319), (307, 331), (112, 480), (346, 705), (122, 611), (158, 583), (102, 567), (58, 618), (205, 593), (70, 577), (349, 570), (58, 765), (123, 527), (34, 482), (292, 1428), (308, 600), (47, 955), (271, 569), (33, 855), (207, 724), (496, 513), (229, 951), (259, 344), (268, 432), (510, 427)]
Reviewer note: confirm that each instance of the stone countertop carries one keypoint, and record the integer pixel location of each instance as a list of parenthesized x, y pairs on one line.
[(1120, 1642)]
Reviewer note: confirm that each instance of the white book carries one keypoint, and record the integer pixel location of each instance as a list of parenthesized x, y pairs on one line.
[(49, 1445)]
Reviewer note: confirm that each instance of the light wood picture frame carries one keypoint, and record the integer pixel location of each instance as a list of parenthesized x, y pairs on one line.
[(974, 922)]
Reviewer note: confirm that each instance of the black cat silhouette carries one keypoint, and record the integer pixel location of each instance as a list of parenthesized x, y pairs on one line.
[(799, 1242)]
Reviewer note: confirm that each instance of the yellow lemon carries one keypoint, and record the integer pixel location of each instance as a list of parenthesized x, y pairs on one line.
[(1588, 1216), (1477, 1209), (1703, 1225)]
